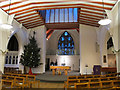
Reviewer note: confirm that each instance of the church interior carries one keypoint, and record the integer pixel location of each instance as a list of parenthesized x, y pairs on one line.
[(60, 44)]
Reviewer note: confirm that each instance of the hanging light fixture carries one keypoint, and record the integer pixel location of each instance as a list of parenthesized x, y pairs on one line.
[(7, 25), (104, 21)]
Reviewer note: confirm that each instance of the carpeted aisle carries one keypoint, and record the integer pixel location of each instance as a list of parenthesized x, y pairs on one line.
[(55, 78)]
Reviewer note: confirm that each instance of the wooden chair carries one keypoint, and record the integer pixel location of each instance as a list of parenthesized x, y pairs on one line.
[(20, 82), (15, 74), (116, 83), (23, 75), (106, 84), (4, 76), (32, 80), (81, 77), (7, 83), (104, 79), (10, 77), (81, 85), (89, 76), (83, 80), (94, 79), (95, 85), (8, 74), (113, 78), (70, 83), (72, 77), (96, 76)]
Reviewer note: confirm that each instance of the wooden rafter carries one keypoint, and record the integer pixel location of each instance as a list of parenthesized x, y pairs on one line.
[(30, 20), (59, 5), (26, 15), (90, 15), (50, 34), (86, 11), (35, 25), (89, 12)]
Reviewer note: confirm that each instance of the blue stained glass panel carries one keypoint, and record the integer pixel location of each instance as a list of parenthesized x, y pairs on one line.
[(66, 44), (66, 33), (75, 14), (61, 15), (47, 16), (63, 39)]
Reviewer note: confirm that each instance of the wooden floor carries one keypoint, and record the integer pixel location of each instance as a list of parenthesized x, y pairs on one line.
[(50, 85)]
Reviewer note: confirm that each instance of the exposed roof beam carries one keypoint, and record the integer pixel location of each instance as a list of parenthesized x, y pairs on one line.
[(29, 20), (92, 15), (75, 5), (86, 11), (13, 3), (48, 31), (32, 21), (50, 35), (81, 4), (88, 20), (35, 25), (25, 15), (32, 10), (87, 17), (89, 24)]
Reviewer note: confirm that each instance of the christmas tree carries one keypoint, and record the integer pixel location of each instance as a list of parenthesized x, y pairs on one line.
[(31, 57)]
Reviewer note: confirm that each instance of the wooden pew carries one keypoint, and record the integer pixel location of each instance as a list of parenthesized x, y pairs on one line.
[(81, 85), (7, 83), (20, 82), (70, 83)]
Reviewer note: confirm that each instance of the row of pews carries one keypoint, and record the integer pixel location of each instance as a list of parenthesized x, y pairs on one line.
[(108, 81), (12, 70), (11, 80)]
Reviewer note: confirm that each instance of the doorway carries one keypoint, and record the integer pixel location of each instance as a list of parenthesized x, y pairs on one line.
[(47, 65)]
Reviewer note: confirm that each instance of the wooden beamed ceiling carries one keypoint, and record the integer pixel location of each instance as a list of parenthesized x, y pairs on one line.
[(26, 11)]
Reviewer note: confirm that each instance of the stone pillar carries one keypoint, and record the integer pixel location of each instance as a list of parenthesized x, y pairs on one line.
[(41, 41), (118, 53)]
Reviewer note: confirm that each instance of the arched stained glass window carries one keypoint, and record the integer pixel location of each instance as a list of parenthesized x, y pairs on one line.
[(65, 44)]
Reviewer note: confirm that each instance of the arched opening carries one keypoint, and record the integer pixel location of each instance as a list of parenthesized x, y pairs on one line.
[(13, 44), (110, 53), (11, 60), (65, 44)]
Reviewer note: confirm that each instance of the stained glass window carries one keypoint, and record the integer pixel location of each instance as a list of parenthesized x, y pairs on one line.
[(65, 44)]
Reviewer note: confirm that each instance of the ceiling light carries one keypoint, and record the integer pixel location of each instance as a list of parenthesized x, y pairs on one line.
[(104, 21)]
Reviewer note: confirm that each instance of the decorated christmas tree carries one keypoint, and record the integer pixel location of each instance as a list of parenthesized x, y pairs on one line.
[(31, 57)]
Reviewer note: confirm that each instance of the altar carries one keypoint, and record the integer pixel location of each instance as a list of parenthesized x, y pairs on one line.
[(59, 69)]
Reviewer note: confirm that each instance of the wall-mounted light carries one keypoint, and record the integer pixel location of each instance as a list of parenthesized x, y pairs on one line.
[(4, 52), (104, 21)]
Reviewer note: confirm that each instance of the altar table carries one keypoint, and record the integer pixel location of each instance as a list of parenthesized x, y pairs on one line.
[(59, 68)]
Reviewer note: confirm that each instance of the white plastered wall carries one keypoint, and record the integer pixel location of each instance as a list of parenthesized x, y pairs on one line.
[(5, 35), (88, 53), (52, 43), (52, 46), (114, 31), (69, 60)]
